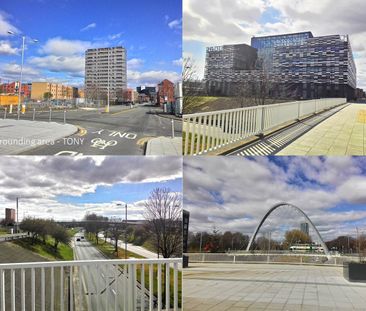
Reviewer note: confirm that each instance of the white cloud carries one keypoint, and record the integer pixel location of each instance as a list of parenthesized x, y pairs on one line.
[(152, 77), (178, 62), (88, 27), (115, 36), (70, 64), (175, 24), (135, 63), (5, 25), (7, 49), (63, 47)]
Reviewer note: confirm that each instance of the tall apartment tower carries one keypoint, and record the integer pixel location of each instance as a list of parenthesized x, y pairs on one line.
[(304, 227), (105, 68)]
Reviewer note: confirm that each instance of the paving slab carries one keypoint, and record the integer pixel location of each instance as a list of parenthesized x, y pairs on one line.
[(269, 287), (164, 146), (17, 136), (344, 133)]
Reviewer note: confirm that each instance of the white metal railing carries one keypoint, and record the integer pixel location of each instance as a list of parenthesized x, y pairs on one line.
[(90, 285), (209, 131)]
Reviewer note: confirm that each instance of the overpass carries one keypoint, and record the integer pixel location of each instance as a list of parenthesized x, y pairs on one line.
[(82, 223)]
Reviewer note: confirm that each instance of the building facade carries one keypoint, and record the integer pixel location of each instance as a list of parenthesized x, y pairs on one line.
[(305, 66), (165, 92), (304, 227), (12, 88), (105, 69), (58, 91), (9, 216)]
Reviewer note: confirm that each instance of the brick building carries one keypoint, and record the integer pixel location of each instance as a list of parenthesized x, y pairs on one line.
[(165, 92), (13, 87)]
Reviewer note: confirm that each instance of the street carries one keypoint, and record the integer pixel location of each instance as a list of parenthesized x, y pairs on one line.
[(123, 131), (101, 281)]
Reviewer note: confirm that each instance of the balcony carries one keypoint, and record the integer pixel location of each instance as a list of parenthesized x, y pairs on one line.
[(131, 284)]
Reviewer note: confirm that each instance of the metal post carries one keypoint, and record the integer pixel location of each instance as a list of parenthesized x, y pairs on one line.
[(65, 116), (126, 232), (201, 243), (18, 114), (34, 114), (21, 76), (17, 229), (5, 113), (172, 128), (50, 118)]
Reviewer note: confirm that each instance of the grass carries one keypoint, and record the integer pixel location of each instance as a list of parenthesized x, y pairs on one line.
[(46, 250), (4, 231), (197, 103), (108, 250)]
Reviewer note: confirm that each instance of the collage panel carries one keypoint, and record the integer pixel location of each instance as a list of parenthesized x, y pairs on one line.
[(101, 79), (90, 233), (274, 233), (266, 78)]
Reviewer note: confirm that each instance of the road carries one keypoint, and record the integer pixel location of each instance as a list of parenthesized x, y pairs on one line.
[(100, 282), (122, 131), (139, 250)]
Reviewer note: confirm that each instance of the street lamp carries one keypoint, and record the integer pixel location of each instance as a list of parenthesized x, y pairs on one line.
[(119, 204), (21, 69)]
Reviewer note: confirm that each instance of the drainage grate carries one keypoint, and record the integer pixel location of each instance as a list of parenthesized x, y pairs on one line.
[(275, 142)]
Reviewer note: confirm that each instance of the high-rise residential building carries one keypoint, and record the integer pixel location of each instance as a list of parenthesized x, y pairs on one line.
[(304, 227), (105, 68), (305, 66), (9, 216)]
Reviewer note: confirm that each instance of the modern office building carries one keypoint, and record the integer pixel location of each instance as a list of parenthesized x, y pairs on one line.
[(9, 216), (105, 68), (304, 227), (305, 66)]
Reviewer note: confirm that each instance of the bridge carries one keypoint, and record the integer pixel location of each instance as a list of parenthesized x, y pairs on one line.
[(82, 223), (287, 205), (222, 131)]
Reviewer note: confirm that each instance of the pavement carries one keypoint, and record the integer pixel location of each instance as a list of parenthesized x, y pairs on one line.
[(139, 250), (164, 146), (19, 136), (344, 133), (258, 287), (122, 131)]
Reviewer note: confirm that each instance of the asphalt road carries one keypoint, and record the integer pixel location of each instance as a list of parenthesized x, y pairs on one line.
[(100, 282), (122, 131)]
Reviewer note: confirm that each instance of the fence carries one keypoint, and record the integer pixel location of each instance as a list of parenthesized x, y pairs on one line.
[(90, 285), (204, 132), (285, 258)]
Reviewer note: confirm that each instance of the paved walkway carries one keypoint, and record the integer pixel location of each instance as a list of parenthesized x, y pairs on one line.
[(17, 136), (237, 287), (342, 134), (164, 146)]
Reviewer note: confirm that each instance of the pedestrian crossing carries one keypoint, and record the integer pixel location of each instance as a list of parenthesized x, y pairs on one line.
[(275, 142)]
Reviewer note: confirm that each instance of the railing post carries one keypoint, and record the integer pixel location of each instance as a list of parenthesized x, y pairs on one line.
[(172, 128), (34, 114), (65, 116), (5, 110), (2, 290), (50, 117)]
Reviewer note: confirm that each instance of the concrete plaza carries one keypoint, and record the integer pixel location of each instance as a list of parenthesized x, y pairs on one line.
[(220, 287), (342, 134)]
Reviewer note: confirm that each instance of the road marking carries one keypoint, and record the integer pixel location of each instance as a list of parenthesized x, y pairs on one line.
[(120, 112), (102, 143), (143, 140)]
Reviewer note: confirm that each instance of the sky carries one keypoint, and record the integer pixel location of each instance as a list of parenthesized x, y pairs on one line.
[(151, 31), (66, 188), (230, 193), (218, 22)]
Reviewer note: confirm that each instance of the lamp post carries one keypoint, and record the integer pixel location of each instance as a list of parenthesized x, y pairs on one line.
[(21, 71), (108, 85), (119, 204)]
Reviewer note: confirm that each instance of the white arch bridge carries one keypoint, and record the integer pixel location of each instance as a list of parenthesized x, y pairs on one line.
[(281, 205)]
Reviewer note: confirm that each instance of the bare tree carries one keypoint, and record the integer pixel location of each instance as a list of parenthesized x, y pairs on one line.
[(95, 224), (163, 213), (114, 233)]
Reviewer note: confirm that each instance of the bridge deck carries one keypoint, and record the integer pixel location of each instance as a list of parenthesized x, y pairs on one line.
[(344, 133)]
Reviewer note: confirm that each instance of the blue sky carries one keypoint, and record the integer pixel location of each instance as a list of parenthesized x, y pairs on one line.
[(150, 30), (218, 22), (232, 193)]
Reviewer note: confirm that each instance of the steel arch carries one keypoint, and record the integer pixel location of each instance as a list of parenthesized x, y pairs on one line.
[(252, 239)]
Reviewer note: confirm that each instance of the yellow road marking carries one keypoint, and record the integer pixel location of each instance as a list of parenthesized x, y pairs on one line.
[(119, 112), (143, 140), (82, 131)]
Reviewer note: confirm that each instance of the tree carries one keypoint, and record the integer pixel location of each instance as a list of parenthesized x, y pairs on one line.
[(47, 95), (296, 236), (163, 216), (95, 224), (60, 235), (114, 233)]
